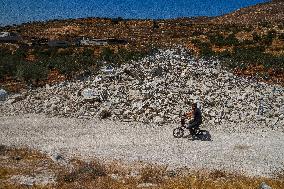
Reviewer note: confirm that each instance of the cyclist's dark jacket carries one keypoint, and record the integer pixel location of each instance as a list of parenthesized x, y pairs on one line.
[(197, 118)]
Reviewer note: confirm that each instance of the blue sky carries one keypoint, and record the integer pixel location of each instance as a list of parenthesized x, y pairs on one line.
[(19, 11)]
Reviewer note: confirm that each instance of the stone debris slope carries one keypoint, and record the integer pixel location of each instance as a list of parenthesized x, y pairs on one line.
[(157, 89)]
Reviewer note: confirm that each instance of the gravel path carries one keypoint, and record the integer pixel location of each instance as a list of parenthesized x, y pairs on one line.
[(255, 152)]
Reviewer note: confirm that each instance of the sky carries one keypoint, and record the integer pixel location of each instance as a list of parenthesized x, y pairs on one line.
[(21, 11)]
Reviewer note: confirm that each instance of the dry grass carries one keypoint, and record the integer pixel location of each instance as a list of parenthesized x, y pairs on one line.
[(5, 172), (220, 180), (152, 174), (116, 175)]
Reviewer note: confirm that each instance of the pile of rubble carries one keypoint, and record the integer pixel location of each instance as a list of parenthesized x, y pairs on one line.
[(157, 89)]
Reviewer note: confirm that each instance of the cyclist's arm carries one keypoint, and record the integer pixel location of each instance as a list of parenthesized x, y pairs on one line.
[(189, 115)]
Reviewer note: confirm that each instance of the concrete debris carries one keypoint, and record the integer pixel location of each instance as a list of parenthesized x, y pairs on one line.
[(3, 95), (156, 89), (264, 186)]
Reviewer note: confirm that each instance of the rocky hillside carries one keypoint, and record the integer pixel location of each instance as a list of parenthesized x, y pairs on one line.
[(157, 89), (271, 12)]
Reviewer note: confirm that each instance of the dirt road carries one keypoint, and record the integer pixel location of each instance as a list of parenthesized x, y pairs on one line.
[(258, 153)]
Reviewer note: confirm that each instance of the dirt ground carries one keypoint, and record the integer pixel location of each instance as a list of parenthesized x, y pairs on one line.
[(255, 152)]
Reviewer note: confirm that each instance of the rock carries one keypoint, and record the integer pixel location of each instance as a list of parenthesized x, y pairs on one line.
[(3, 95), (104, 113), (58, 158), (67, 109), (158, 119), (171, 173), (263, 185), (115, 176), (157, 72), (108, 69), (90, 95), (53, 107), (146, 185), (16, 98)]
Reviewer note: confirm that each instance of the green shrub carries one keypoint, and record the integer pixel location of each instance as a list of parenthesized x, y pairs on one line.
[(220, 40), (124, 55), (67, 65), (249, 54), (256, 37), (205, 49), (267, 39), (224, 55), (107, 55), (281, 36), (7, 68), (244, 56), (8, 64), (31, 71)]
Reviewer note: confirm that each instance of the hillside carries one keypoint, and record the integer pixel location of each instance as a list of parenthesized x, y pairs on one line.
[(246, 49), (271, 12), (157, 89)]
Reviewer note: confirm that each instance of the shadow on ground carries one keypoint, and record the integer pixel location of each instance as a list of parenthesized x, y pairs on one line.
[(203, 135)]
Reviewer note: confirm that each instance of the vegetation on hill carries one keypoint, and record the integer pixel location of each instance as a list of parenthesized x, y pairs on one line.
[(70, 62), (253, 48)]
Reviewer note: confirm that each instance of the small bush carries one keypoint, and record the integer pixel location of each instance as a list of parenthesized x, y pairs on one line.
[(267, 39), (31, 71), (4, 172), (84, 171), (107, 55), (9, 62), (206, 50), (220, 40), (152, 174), (104, 114), (256, 37), (66, 65)]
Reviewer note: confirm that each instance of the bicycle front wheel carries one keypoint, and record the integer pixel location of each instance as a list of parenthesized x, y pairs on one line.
[(178, 132)]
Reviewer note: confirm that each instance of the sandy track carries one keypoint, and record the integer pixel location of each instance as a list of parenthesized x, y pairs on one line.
[(258, 153)]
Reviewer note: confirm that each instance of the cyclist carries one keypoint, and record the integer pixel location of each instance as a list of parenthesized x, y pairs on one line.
[(193, 124)]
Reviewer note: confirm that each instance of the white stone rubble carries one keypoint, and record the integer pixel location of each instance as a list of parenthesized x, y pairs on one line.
[(157, 89)]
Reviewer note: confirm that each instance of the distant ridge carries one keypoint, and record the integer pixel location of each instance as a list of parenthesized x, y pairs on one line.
[(265, 12)]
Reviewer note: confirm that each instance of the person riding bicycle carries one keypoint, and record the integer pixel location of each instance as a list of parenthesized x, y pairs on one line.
[(194, 124)]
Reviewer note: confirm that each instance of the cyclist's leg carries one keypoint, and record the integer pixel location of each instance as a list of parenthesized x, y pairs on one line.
[(192, 127), (182, 121)]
